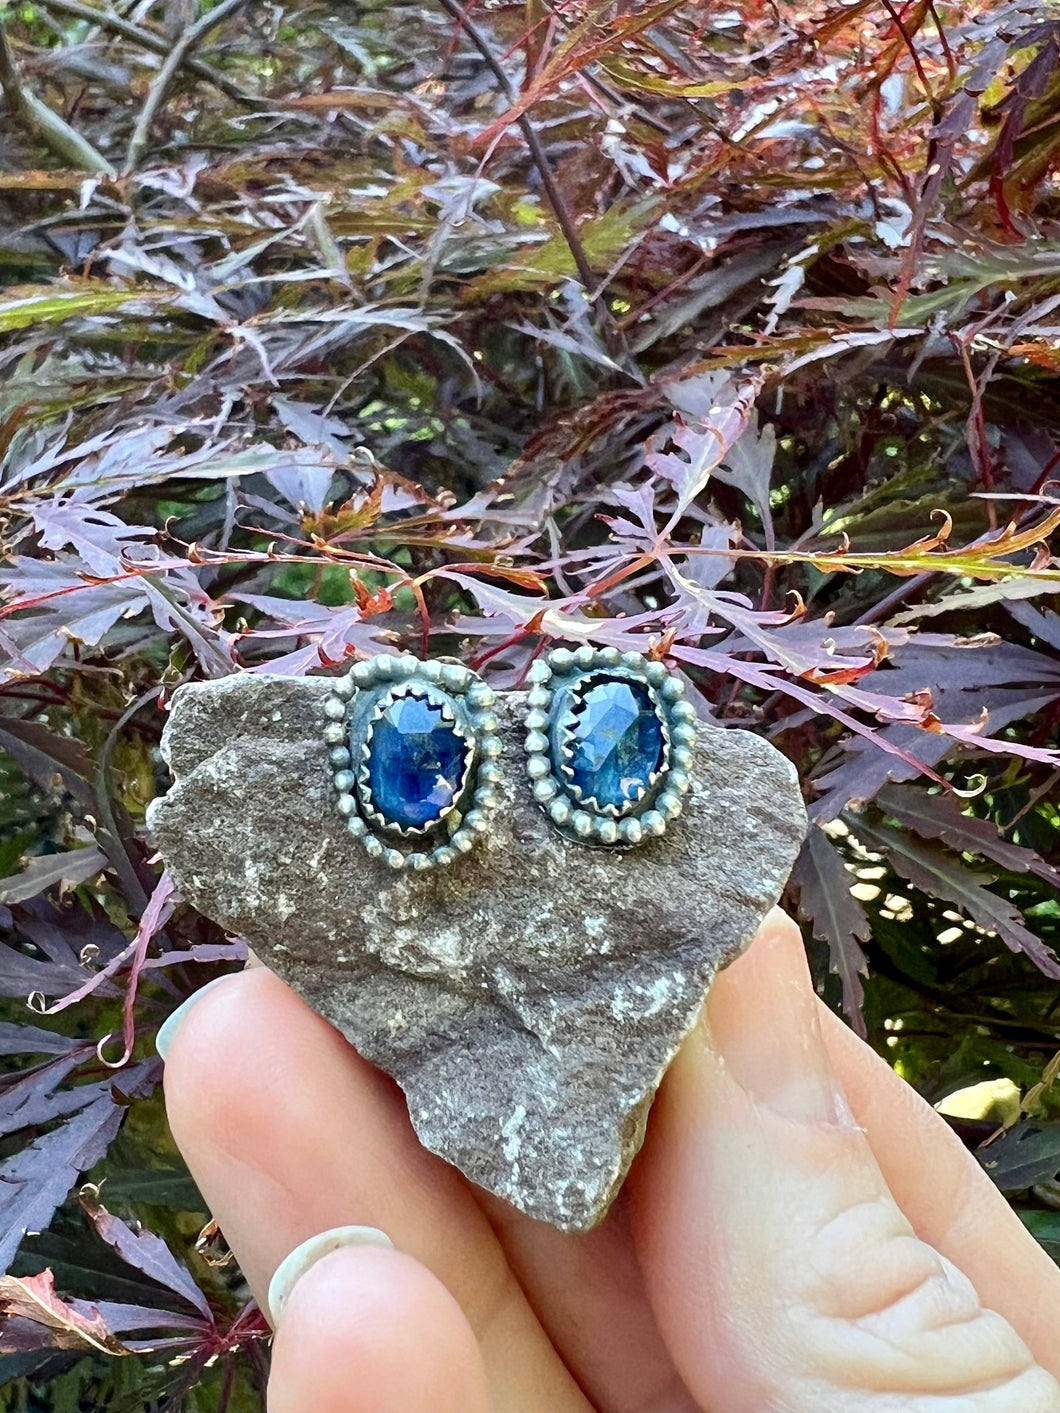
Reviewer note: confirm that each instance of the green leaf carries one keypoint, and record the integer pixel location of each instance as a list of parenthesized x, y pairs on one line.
[(1025, 1154), (1045, 1228), (26, 306), (164, 1187)]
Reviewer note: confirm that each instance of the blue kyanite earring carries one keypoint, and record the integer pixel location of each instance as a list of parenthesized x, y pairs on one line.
[(609, 744), (413, 748)]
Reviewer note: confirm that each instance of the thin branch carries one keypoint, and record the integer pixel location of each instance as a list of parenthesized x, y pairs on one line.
[(906, 592), (155, 43), (951, 62), (912, 587), (1032, 800), (159, 90), (122, 859), (14, 93), (620, 100), (907, 40), (556, 198), (39, 120)]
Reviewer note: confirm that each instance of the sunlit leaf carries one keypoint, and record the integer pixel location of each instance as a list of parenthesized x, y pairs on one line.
[(28, 306), (34, 1298)]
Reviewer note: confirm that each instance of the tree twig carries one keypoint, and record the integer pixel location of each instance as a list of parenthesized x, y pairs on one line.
[(907, 40), (548, 180), (14, 94), (39, 120), (555, 197), (159, 90), (155, 43), (1032, 800)]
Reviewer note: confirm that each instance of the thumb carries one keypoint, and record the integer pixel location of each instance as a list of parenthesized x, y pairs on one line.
[(783, 1274)]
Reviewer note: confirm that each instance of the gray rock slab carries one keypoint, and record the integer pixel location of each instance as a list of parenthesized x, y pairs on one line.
[(529, 997)]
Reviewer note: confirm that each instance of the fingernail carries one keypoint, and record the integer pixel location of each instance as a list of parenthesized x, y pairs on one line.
[(761, 1017), (293, 1267), (169, 1027)]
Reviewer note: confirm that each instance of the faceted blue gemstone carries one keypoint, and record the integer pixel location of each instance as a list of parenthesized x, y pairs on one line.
[(617, 741), (417, 763)]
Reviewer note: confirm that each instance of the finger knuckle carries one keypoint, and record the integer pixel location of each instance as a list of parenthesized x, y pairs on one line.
[(882, 1312)]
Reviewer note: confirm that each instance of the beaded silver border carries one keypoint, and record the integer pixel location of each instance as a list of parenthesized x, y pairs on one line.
[(455, 831), (584, 820)]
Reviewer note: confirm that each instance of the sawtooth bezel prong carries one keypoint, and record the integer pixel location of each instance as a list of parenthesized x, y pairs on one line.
[(558, 685), (351, 712)]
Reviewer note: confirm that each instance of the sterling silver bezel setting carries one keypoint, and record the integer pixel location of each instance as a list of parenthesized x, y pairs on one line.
[(357, 703), (557, 685)]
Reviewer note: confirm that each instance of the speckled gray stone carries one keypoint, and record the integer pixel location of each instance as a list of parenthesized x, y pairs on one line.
[(528, 997)]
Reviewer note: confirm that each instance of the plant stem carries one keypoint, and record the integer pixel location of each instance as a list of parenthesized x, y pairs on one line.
[(155, 43), (160, 88), (122, 859), (555, 197), (39, 120)]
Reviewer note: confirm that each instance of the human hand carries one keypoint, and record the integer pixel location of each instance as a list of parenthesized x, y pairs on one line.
[(800, 1234)]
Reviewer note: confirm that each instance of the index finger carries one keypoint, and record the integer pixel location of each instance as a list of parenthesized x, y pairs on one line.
[(289, 1133)]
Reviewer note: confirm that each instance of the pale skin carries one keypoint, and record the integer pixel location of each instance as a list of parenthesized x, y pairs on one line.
[(800, 1234)]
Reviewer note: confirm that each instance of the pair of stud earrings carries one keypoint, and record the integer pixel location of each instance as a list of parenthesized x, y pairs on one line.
[(414, 751)]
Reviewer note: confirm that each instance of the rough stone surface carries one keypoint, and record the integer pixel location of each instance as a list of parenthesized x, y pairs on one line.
[(527, 998)]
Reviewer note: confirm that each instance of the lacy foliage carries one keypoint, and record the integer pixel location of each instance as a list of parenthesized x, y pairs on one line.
[(727, 336)]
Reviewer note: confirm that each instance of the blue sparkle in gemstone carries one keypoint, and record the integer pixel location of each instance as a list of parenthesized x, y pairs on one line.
[(617, 742), (417, 763)]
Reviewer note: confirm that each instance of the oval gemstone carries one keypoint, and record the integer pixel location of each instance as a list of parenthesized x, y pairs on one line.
[(417, 762), (616, 741)]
